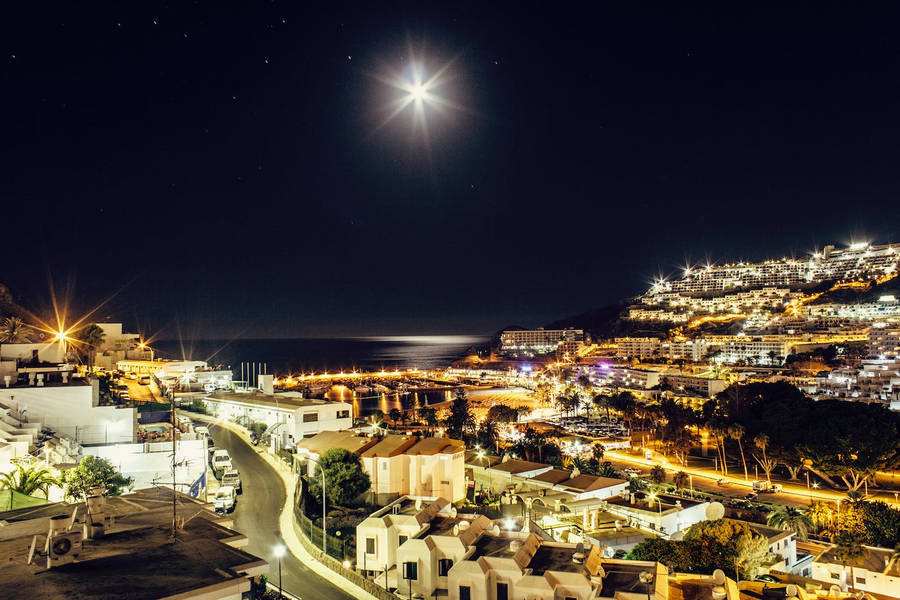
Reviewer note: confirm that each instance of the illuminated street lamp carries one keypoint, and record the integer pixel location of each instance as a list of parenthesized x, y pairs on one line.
[(279, 552)]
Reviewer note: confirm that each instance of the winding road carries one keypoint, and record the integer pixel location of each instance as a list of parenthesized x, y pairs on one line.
[(256, 516)]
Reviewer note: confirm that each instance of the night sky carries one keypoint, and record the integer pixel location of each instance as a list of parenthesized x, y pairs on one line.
[(226, 170)]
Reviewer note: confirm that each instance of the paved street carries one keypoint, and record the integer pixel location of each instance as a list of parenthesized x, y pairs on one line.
[(256, 516)]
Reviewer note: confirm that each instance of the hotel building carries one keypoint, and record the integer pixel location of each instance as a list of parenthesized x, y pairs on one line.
[(531, 342)]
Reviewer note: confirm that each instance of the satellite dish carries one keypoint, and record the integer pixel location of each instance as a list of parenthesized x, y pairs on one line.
[(495, 530), (453, 512), (715, 511), (790, 591), (719, 577)]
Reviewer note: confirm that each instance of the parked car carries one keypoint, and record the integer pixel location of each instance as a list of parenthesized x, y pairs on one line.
[(225, 499), (221, 460), (752, 496), (144, 380), (233, 479)]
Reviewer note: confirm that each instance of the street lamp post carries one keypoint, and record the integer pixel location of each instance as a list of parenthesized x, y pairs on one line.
[(278, 551)]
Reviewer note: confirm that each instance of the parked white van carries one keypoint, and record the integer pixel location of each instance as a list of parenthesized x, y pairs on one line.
[(225, 499), (221, 460)]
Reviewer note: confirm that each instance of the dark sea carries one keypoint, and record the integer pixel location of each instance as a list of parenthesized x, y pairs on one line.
[(293, 356), (304, 355)]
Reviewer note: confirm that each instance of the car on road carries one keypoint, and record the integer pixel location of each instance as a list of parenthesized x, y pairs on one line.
[(225, 499), (631, 471), (221, 459), (232, 478), (752, 496), (144, 380)]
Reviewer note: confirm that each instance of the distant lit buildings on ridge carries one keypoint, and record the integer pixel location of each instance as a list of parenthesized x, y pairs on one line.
[(859, 262)]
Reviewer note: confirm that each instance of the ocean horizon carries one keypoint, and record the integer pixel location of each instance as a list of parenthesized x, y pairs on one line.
[(283, 356)]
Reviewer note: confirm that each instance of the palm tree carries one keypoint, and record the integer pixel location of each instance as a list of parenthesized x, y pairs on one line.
[(602, 401), (14, 331), (680, 480), (91, 338), (27, 481), (658, 475), (395, 415), (848, 549), (767, 463), (791, 519), (736, 432)]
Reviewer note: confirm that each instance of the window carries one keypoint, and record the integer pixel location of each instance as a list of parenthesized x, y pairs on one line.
[(403, 538), (465, 592), (502, 591), (411, 570), (444, 565), (343, 414), (370, 545), (571, 598), (861, 580), (310, 417)]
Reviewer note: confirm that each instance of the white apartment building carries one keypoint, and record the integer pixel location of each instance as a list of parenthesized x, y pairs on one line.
[(645, 348), (288, 414), (45, 352), (874, 572), (661, 514), (119, 345), (884, 341), (873, 380), (859, 262), (754, 350), (399, 464), (71, 408), (530, 342), (783, 544), (887, 308), (432, 551), (681, 307), (655, 314)]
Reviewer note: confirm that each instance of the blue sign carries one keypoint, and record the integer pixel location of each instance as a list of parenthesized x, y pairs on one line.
[(198, 485)]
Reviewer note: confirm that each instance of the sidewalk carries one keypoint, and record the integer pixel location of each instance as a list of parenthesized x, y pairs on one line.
[(286, 519)]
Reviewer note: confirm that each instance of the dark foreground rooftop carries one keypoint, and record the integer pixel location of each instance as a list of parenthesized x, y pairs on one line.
[(137, 559)]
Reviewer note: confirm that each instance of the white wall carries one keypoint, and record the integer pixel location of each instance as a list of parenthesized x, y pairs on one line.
[(151, 464), (69, 410), (51, 352)]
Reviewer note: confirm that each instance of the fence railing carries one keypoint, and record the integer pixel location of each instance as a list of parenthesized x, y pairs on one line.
[(311, 537), (334, 546)]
